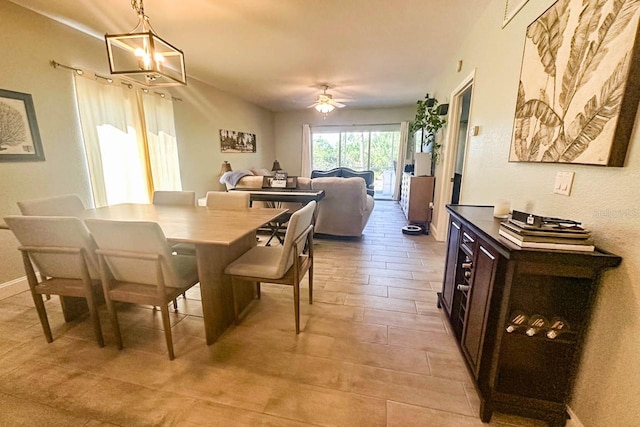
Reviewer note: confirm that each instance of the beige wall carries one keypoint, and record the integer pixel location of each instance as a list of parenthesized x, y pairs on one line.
[(607, 392), (288, 127), (27, 43)]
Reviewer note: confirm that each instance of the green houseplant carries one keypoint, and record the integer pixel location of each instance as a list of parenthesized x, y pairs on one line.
[(428, 119)]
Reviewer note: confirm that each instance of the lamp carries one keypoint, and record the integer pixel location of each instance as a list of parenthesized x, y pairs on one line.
[(276, 166), (143, 56), (224, 167)]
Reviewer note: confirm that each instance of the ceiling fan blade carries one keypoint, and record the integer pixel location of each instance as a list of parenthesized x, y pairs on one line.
[(312, 105), (338, 104)]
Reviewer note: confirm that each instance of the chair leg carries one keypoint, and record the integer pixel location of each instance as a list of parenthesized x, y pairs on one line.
[(114, 321), (175, 304), (258, 289), (42, 314), (235, 300), (167, 329), (296, 305), (95, 319), (310, 274)]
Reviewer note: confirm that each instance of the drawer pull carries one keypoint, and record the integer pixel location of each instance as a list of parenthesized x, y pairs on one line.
[(455, 225), (466, 238)]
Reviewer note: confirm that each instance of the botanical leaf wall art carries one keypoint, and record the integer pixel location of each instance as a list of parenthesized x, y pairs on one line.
[(579, 84)]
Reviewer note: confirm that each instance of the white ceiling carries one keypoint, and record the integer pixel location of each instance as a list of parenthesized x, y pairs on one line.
[(278, 53)]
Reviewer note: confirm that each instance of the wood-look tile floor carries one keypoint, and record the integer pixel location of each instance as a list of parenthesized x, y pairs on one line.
[(374, 350)]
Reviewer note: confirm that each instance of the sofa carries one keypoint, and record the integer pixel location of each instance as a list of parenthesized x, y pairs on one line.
[(343, 172), (346, 206), (344, 211)]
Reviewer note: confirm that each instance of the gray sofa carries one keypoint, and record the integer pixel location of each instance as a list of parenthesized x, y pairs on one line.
[(345, 209), (343, 172)]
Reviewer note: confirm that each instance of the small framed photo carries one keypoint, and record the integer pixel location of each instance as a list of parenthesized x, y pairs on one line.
[(19, 134)]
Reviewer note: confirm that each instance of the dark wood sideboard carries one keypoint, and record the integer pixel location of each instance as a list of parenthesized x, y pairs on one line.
[(490, 286)]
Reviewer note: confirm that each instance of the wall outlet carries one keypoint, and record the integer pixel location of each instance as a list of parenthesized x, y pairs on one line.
[(564, 182)]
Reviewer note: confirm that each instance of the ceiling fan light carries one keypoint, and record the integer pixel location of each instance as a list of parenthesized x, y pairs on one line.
[(324, 107)]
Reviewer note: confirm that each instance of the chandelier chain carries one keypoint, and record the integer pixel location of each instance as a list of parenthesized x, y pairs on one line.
[(138, 6)]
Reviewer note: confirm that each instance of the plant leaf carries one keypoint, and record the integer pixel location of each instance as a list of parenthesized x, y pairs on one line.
[(545, 118), (587, 24), (542, 111), (546, 34), (597, 115), (612, 25)]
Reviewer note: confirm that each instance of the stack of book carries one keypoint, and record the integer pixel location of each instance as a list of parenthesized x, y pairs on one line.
[(547, 236)]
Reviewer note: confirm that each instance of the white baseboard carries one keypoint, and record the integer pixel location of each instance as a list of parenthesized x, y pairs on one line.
[(573, 420), (14, 287)]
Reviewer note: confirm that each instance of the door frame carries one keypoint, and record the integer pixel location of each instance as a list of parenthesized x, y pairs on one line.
[(445, 186)]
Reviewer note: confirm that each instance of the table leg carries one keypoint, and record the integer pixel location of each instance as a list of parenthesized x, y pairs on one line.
[(73, 307), (215, 286)]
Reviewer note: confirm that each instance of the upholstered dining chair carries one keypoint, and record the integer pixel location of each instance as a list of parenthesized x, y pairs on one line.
[(137, 266), (63, 251), (286, 264), (65, 205), (228, 200), (180, 198), (177, 198)]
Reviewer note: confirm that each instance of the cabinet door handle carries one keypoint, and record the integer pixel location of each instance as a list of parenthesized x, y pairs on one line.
[(455, 225), (463, 288), (487, 253)]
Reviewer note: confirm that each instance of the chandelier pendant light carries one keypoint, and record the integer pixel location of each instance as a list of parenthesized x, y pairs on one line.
[(143, 56)]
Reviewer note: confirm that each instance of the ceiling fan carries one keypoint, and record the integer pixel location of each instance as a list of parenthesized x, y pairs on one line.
[(325, 103)]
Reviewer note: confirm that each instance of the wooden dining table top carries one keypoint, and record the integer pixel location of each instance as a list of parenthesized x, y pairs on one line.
[(191, 224)]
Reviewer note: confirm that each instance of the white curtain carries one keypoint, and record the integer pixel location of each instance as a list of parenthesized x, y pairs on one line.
[(402, 153), (111, 129), (161, 139), (305, 164)]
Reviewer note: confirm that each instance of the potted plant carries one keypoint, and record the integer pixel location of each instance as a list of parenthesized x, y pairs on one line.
[(430, 120)]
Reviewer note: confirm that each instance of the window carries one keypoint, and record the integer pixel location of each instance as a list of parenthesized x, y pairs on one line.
[(367, 147), (130, 142)]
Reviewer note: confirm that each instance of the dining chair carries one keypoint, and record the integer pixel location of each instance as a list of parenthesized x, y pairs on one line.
[(63, 251), (65, 205), (137, 266), (177, 198), (180, 198), (228, 200), (286, 264)]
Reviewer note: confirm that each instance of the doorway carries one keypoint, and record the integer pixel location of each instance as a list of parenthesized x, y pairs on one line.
[(463, 132), (449, 187)]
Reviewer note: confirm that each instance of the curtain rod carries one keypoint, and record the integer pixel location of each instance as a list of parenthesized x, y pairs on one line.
[(80, 72), (355, 125)]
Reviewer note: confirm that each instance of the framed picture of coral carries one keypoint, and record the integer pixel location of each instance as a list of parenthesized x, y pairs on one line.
[(19, 134), (579, 84)]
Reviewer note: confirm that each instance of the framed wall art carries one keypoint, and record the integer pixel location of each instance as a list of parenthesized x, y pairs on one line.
[(511, 9), (19, 134), (232, 141), (579, 84)]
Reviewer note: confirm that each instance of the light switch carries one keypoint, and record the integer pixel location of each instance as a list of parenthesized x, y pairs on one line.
[(563, 184)]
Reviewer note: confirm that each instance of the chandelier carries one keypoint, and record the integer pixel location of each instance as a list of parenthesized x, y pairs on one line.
[(143, 56)]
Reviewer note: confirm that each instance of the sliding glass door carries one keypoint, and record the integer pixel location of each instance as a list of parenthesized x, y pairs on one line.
[(368, 147)]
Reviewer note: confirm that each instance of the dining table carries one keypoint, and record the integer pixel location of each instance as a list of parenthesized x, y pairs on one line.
[(219, 236)]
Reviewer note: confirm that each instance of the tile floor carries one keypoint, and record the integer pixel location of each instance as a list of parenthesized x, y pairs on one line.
[(374, 351)]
